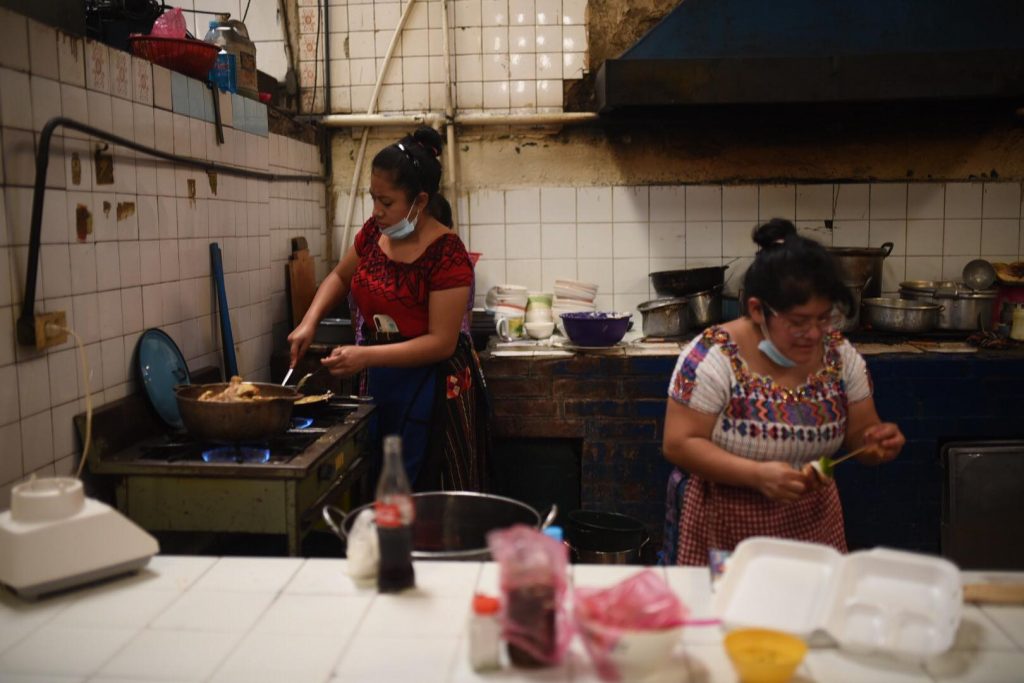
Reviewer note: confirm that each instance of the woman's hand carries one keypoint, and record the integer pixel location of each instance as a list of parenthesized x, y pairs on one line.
[(345, 361), (885, 441), (300, 339), (779, 481)]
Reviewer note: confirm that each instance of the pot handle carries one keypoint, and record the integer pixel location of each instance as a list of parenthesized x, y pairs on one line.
[(550, 518), (886, 249), (336, 527)]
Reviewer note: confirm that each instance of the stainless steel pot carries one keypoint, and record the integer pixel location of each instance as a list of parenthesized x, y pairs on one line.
[(861, 263), (235, 421), (668, 318), (706, 307), (852, 321), (963, 308), (899, 315), (452, 525)]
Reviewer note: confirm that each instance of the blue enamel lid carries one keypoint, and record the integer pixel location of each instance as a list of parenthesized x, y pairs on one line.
[(161, 368)]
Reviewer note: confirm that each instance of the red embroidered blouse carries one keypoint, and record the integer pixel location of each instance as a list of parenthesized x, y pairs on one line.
[(402, 290)]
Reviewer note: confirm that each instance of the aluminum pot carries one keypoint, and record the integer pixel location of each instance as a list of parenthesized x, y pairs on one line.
[(452, 525), (236, 421), (675, 283), (861, 263), (706, 307), (668, 318), (899, 315), (963, 308), (852, 321)]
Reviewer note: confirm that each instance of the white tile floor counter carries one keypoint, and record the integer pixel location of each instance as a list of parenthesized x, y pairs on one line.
[(241, 619)]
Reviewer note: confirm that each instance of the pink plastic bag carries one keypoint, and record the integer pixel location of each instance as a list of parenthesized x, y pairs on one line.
[(629, 629), (170, 24), (533, 584)]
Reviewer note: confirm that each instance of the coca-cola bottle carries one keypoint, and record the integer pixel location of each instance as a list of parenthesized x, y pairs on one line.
[(395, 514)]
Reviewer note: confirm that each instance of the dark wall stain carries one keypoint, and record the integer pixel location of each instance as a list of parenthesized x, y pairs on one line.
[(83, 222), (104, 167), (125, 210), (212, 177), (76, 169), (106, 209)]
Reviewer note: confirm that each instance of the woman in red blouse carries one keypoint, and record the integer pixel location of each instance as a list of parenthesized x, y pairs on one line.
[(410, 277)]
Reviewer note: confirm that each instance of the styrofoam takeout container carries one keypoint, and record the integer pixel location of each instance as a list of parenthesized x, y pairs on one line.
[(898, 603)]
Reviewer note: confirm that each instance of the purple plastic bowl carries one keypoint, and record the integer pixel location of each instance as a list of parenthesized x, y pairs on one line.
[(595, 328)]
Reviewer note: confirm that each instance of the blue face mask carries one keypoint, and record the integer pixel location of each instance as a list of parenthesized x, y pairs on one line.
[(768, 348), (401, 229)]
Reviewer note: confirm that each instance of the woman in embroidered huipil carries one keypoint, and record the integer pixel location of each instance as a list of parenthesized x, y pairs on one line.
[(408, 268), (754, 401)]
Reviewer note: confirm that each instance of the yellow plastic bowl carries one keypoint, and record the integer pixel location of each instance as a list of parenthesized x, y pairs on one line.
[(764, 656)]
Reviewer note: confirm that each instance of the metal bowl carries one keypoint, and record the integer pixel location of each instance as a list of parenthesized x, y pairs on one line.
[(452, 525), (236, 421)]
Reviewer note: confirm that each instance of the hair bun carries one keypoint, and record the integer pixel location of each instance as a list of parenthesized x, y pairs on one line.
[(427, 137), (774, 233)]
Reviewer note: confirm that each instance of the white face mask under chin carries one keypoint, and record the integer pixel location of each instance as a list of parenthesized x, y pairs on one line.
[(402, 228), (769, 349)]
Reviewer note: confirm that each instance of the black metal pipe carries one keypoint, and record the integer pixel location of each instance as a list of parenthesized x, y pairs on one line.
[(26, 321)]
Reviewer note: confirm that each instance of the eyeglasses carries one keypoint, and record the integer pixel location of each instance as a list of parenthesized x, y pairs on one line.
[(801, 327)]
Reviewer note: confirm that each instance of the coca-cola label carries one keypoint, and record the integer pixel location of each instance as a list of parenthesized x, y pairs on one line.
[(393, 512)]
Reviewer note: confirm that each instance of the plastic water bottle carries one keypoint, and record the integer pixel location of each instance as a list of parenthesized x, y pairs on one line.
[(395, 515), (485, 634)]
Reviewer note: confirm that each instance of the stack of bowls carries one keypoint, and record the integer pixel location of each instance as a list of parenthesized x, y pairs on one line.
[(572, 296), (507, 301)]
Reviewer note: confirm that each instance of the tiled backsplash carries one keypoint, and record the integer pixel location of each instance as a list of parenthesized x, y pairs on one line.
[(506, 55), (146, 261), (616, 236)]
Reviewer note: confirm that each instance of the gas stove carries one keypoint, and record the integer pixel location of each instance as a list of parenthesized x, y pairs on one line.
[(166, 481)]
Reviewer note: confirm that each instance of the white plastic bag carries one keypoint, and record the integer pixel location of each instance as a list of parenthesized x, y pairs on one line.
[(363, 549)]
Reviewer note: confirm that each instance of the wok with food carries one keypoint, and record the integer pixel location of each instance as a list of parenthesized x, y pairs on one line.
[(235, 411)]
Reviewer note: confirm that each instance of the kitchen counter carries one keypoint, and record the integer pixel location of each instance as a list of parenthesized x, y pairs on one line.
[(288, 619)]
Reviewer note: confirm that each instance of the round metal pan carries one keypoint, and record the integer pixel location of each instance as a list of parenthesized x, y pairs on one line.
[(236, 421)]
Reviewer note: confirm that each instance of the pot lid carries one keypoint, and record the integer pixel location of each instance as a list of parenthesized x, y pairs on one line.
[(662, 303), (162, 367), (946, 289), (882, 251)]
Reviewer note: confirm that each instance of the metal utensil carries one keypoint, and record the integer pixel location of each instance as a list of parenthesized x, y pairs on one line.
[(305, 378), (287, 376)]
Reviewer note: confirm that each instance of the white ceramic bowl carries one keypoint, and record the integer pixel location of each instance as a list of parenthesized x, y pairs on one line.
[(634, 656), (539, 329)]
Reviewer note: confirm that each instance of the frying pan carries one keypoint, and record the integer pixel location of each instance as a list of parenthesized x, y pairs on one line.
[(235, 421), (675, 283)]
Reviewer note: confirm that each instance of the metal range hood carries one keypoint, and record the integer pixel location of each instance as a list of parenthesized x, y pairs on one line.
[(712, 52)]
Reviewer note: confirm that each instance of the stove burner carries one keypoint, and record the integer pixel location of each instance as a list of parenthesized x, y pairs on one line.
[(237, 454), (301, 422)]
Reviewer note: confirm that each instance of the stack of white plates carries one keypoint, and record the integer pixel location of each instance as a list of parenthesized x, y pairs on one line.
[(572, 296)]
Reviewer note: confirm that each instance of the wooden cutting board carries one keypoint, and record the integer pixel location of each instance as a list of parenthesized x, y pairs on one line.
[(995, 593), (301, 279)]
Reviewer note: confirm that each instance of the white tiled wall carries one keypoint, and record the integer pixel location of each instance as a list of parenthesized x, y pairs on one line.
[(506, 55), (146, 262), (616, 236)]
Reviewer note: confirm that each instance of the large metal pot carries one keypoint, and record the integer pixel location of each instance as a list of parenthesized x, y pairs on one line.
[(860, 263), (899, 315), (668, 318), (675, 283), (963, 308), (706, 307), (452, 525), (236, 421)]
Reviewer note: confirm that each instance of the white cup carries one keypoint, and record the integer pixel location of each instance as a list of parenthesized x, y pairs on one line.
[(509, 328)]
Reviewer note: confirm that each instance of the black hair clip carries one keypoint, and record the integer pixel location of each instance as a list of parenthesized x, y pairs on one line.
[(408, 155)]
